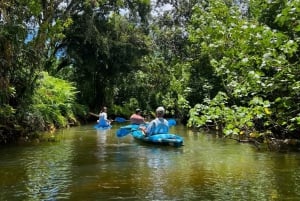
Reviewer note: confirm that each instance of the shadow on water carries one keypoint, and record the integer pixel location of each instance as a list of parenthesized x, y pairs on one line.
[(89, 164)]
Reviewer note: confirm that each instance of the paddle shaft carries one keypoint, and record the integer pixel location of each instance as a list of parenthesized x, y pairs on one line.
[(93, 114)]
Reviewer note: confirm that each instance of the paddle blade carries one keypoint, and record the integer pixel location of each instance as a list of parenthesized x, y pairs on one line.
[(120, 119), (172, 122), (123, 132)]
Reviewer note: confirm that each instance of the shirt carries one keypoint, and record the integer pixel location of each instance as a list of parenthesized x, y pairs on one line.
[(157, 126)]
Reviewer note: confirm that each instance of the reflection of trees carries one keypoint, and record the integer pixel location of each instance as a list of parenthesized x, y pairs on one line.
[(285, 180), (93, 166), (157, 167), (48, 171)]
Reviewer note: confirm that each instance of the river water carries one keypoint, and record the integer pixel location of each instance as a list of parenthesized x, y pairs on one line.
[(85, 164)]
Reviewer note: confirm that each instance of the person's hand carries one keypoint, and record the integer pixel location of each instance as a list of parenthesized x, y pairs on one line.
[(143, 129)]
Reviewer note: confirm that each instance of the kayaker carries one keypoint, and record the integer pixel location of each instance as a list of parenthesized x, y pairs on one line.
[(137, 118), (159, 125), (103, 117)]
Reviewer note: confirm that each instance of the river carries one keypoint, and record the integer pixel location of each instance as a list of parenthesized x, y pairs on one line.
[(86, 164)]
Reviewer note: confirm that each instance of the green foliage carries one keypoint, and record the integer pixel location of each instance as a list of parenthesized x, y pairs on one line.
[(251, 61), (6, 114), (146, 86), (232, 120), (121, 111), (127, 109), (55, 102), (235, 71), (105, 47)]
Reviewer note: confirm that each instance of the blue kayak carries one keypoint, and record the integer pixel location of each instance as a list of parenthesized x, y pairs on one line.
[(102, 125), (160, 139), (99, 127)]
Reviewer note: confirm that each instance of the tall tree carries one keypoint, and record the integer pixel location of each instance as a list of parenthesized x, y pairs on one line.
[(28, 28), (105, 42)]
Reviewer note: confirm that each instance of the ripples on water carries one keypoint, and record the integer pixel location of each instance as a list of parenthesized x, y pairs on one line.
[(86, 164), (36, 172)]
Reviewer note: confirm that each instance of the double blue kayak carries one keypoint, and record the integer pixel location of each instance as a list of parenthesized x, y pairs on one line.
[(159, 139)]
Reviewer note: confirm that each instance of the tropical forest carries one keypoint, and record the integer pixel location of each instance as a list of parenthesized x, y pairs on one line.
[(228, 66)]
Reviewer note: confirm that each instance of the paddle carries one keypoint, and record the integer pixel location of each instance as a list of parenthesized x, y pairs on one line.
[(123, 131), (120, 119), (93, 114), (172, 122), (117, 119)]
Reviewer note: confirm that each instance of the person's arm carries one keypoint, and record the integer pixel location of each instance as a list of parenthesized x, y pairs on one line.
[(143, 120), (149, 127), (131, 118), (166, 122), (105, 116)]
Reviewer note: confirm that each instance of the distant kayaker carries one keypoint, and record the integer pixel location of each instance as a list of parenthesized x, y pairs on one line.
[(137, 118), (159, 125), (103, 117)]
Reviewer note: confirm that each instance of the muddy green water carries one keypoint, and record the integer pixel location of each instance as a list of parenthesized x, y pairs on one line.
[(86, 164)]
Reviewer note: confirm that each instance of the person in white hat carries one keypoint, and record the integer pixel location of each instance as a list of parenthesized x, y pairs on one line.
[(159, 125)]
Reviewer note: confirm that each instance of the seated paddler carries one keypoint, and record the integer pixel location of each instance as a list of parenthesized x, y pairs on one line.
[(159, 125), (103, 121), (137, 118)]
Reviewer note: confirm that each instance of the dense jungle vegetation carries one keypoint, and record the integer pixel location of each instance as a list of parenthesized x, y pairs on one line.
[(228, 65)]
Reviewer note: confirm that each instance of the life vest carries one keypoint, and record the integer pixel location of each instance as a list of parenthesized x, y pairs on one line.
[(159, 128)]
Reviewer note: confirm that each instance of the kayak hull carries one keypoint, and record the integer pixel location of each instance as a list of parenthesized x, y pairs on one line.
[(159, 139), (99, 127)]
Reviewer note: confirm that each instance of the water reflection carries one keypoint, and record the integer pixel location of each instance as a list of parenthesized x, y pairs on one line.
[(40, 172), (47, 172), (101, 143), (89, 164), (159, 171), (102, 136)]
